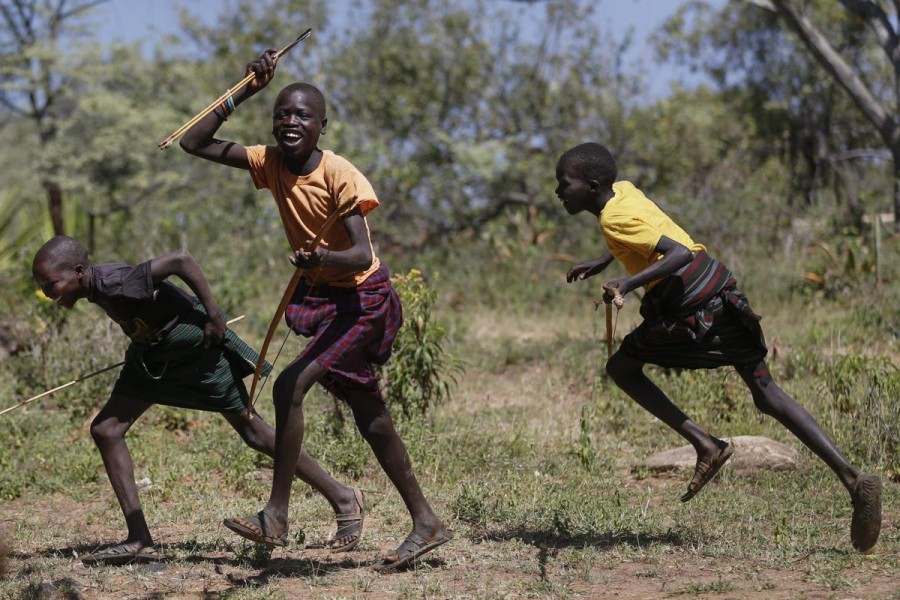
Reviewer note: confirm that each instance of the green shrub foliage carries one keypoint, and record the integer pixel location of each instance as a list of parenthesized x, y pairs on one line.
[(420, 372)]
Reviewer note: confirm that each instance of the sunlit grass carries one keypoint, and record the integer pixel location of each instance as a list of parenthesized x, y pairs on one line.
[(531, 462)]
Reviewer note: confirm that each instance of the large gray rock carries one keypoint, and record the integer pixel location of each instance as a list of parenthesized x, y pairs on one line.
[(751, 454)]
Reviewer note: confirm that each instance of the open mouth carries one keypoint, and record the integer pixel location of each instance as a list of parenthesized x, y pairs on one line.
[(290, 137)]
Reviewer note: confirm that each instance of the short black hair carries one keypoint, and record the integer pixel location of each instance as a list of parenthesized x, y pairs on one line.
[(61, 252), (591, 161), (306, 88)]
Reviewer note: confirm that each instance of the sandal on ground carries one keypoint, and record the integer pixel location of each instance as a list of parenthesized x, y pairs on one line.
[(410, 549), (705, 471), (866, 522), (349, 527), (124, 553), (254, 529)]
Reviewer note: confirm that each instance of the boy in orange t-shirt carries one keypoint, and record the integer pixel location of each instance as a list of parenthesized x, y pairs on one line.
[(345, 303)]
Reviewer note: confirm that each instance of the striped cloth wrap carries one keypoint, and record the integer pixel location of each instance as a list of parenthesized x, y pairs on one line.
[(178, 371), (352, 330), (697, 318)]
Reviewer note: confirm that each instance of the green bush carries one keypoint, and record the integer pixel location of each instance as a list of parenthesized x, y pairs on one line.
[(864, 391), (420, 372)]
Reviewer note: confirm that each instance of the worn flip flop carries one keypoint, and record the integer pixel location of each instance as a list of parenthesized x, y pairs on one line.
[(410, 549), (124, 553), (349, 527), (704, 472), (865, 526), (254, 529)]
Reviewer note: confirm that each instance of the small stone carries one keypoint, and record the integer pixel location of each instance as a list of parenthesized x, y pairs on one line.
[(752, 454)]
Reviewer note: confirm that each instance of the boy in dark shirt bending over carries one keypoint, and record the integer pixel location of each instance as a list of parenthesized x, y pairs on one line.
[(181, 354), (694, 318)]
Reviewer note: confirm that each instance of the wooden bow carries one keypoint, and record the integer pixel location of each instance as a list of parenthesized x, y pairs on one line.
[(342, 209), (619, 301), (168, 141)]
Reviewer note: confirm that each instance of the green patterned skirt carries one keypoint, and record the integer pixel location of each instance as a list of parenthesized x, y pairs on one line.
[(179, 371)]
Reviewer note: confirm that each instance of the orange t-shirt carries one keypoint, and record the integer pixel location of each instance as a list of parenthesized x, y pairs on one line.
[(305, 202)]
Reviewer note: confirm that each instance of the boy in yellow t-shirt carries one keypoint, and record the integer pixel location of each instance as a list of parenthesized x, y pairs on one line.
[(694, 317), (345, 303)]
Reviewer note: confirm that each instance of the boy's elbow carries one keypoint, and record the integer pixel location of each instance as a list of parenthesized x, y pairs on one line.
[(365, 258), (188, 145), (183, 259)]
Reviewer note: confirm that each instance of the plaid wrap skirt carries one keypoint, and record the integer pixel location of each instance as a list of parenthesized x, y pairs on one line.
[(178, 371), (352, 329), (697, 319)]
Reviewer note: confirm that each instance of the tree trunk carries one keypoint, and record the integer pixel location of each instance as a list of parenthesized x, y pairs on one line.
[(897, 189), (54, 204)]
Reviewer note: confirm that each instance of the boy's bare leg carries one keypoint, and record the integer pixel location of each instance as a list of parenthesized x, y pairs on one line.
[(377, 427), (865, 490), (260, 436), (108, 430), (775, 402), (628, 374), (289, 390)]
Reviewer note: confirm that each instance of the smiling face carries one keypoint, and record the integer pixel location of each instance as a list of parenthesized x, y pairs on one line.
[(574, 191), (298, 120), (63, 285)]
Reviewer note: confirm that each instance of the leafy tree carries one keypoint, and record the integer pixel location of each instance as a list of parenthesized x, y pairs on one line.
[(871, 81), (803, 119), (36, 80), (458, 110), (757, 58)]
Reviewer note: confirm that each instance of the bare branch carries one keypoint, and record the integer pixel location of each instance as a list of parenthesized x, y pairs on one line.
[(878, 22), (876, 153), (13, 25), (79, 9), (837, 67)]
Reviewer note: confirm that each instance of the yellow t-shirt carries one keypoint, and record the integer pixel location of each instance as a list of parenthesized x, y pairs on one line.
[(633, 225), (305, 202)]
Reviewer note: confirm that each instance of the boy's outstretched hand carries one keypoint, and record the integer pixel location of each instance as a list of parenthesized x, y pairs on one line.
[(588, 268), (264, 69)]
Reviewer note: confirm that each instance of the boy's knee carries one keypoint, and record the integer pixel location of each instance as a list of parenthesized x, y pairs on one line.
[(256, 436), (759, 381), (379, 428), (763, 403), (611, 369), (619, 367), (373, 421), (287, 389), (256, 441), (106, 430)]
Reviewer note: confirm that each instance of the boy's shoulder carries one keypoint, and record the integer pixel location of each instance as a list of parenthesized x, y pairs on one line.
[(336, 168), (107, 269), (625, 200), (336, 162)]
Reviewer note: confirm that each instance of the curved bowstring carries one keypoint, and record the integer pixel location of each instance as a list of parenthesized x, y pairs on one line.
[(342, 209)]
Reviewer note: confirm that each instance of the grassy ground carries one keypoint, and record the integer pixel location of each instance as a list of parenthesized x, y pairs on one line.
[(531, 462)]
